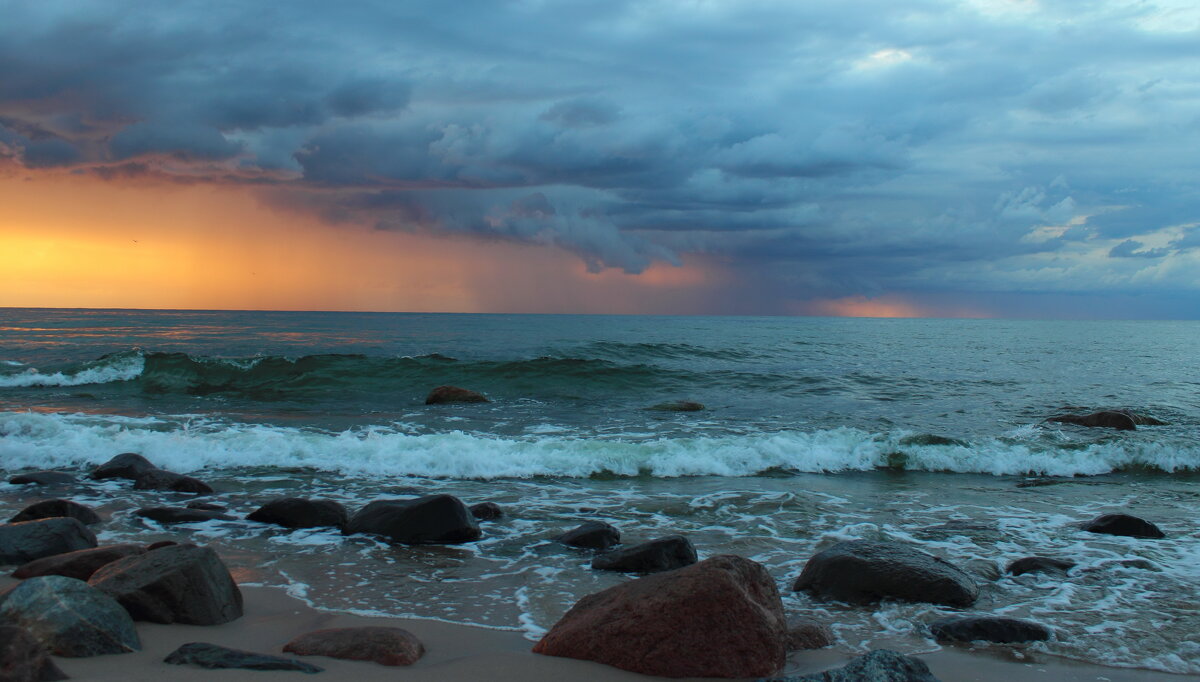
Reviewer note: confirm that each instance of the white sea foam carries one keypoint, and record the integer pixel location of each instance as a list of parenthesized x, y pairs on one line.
[(119, 369), (48, 440)]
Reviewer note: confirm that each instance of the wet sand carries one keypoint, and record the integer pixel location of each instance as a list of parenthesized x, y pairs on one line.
[(471, 653)]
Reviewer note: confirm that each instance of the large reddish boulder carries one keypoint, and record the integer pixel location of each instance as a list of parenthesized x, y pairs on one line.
[(454, 394), (383, 645), (80, 564), (721, 617), (49, 509), (24, 659), (175, 584)]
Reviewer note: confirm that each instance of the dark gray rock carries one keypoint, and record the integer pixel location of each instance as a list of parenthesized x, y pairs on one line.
[(662, 554), (70, 617), (297, 512), (206, 506), (125, 465), (434, 519), (454, 394), (487, 511), (881, 665), (49, 509), (23, 542), (80, 564), (207, 655), (171, 515), (43, 478), (24, 659), (591, 535), (169, 480), (988, 629), (808, 633), (175, 584), (1110, 419), (678, 406), (863, 571), (1039, 564), (1124, 525)]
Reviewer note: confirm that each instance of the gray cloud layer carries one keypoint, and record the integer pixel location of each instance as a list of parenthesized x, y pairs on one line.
[(933, 147)]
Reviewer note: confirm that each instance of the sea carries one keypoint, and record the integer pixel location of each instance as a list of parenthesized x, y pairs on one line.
[(814, 430)]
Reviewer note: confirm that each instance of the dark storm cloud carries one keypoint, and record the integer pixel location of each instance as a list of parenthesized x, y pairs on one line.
[(818, 149)]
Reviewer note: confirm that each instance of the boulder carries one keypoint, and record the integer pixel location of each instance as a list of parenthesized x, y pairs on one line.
[(678, 406), (171, 515), (988, 629), (169, 480), (43, 478), (24, 659), (486, 511), (864, 571), (721, 617), (206, 506), (434, 519), (214, 656), (1123, 524), (1039, 564), (880, 665), (453, 394), (382, 645), (49, 509), (80, 564), (1108, 419), (70, 617), (29, 540), (591, 535), (808, 633), (663, 554), (160, 544), (297, 512), (175, 584), (126, 465)]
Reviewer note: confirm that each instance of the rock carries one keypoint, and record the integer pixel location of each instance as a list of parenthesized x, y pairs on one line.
[(807, 633), (1039, 564), (49, 509), (486, 511), (297, 512), (592, 535), (70, 617), (169, 480), (1143, 419), (880, 665), (43, 478), (382, 645), (927, 439), (176, 584), (24, 659), (662, 554), (1109, 419), (206, 506), (213, 656), (1124, 525), (126, 465), (988, 629), (181, 515), (29, 540), (678, 406), (80, 564), (434, 519), (863, 571), (721, 617), (453, 394), (160, 544)]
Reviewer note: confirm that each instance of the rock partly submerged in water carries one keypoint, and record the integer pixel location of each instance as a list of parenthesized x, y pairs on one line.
[(23, 542), (1124, 525), (80, 564), (433, 519), (161, 479), (988, 629), (24, 659), (1122, 420), (864, 571), (591, 535), (718, 618), (487, 511), (298, 512), (1039, 564), (43, 478), (808, 633), (172, 515), (383, 645), (49, 509), (175, 584), (214, 656), (128, 465), (677, 406), (881, 665), (70, 617), (662, 554), (454, 394)]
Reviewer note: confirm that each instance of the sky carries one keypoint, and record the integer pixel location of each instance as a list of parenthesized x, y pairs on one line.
[(965, 158)]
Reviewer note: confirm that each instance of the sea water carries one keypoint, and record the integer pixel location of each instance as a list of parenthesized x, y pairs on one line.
[(814, 431)]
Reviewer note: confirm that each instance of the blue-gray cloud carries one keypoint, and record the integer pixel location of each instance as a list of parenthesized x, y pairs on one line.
[(941, 148)]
